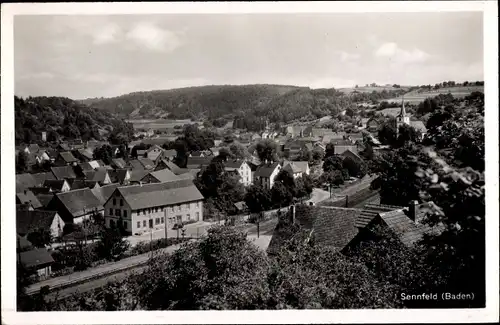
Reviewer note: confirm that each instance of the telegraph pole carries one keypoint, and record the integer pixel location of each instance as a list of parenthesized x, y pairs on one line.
[(166, 228)]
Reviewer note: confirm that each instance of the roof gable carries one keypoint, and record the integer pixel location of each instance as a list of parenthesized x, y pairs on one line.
[(63, 172), (28, 197), (28, 221), (79, 202), (266, 170)]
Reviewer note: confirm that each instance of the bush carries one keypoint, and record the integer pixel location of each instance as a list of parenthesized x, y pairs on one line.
[(145, 247)]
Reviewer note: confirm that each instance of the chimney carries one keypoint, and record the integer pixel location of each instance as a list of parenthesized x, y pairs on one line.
[(292, 214), (413, 210)]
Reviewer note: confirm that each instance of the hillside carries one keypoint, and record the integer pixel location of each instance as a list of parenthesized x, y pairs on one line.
[(419, 95), (193, 102), (252, 103), (62, 118)]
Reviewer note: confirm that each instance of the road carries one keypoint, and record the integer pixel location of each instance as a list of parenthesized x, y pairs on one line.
[(318, 195)]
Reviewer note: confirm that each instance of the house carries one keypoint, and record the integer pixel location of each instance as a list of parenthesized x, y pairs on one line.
[(163, 163), (198, 162), (139, 208), (155, 153), (241, 207), (25, 181), (297, 168), (44, 199), (372, 125), (104, 192), (57, 185), (29, 198), (33, 148), (96, 164), (363, 123), (170, 154), (241, 168), (63, 146), (63, 172), (121, 176), (66, 159), (23, 244), (146, 163), (118, 163), (196, 154), (39, 260), (160, 176), (41, 177), (353, 155), (136, 175), (135, 164), (420, 128), (215, 151), (99, 175), (81, 183), (32, 221), (330, 137), (81, 168), (266, 174), (83, 154), (41, 157), (75, 206)]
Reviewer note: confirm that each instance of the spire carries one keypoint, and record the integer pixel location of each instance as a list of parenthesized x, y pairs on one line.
[(403, 111)]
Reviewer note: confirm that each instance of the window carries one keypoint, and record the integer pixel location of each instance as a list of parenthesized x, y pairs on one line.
[(161, 209), (156, 209), (114, 201), (125, 225), (124, 213), (121, 202), (188, 216), (197, 204), (110, 212), (197, 216), (138, 224), (118, 212), (162, 220), (144, 224), (172, 208), (157, 221), (179, 207)]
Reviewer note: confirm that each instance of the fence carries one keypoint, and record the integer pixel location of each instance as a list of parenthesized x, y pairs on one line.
[(349, 201)]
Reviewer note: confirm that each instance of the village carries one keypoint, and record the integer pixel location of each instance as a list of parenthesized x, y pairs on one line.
[(149, 196)]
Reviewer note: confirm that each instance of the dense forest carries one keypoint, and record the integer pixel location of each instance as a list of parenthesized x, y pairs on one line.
[(63, 118), (278, 103)]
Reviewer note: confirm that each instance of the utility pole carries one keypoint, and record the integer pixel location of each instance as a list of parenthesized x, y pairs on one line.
[(151, 237), (166, 228)]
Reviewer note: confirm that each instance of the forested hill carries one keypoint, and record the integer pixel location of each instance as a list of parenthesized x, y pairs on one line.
[(192, 102), (279, 103), (63, 118)]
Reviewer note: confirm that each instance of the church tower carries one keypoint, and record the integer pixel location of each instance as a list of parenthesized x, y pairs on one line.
[(402, 117)]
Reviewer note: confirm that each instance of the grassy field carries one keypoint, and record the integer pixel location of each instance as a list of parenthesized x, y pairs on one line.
[(368, 89), (416, 97)]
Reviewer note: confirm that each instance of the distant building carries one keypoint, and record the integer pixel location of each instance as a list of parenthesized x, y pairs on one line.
[(29, 221), (372, 125), (38, 260), (75, 206), (297, 168), (241, 168), (266, 174), (140, 208)]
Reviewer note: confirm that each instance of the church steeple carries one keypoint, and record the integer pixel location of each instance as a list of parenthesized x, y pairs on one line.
[(403, 111)]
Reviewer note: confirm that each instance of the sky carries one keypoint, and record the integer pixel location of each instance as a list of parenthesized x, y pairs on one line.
[(85, 56)]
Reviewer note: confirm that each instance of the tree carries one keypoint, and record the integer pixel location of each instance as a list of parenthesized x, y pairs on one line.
[(354, 167), (332, 163), (397, 181), (223, 187), (282, 195), (407, 134), (222, 271), (317, 155), (239, 151), (40, 238), (21, 162), (267, 150), (111, 245), (387, 134), (104, 153), (258, 199)]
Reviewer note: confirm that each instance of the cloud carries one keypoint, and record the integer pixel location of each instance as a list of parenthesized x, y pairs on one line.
[(38, 75), (108, 34), (153, 37), (396, 54), (346, 57)]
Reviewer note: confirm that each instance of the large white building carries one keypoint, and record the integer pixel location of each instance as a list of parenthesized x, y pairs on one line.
[(240, 167), (138, 208)]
